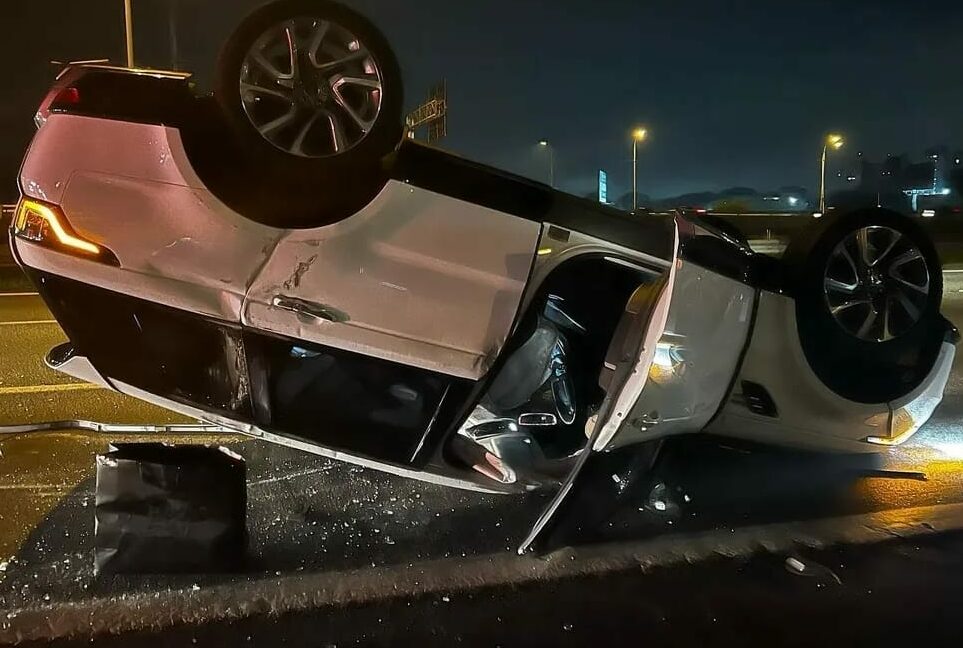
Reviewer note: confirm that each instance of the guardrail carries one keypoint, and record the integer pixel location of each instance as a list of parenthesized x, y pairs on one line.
[(947, 233)]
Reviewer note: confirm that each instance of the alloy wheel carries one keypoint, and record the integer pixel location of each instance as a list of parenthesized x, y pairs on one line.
[(311, 88), (877, 284)]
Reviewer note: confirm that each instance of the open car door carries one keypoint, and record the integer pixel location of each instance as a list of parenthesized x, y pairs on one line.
[(623, 378), (369, 335)]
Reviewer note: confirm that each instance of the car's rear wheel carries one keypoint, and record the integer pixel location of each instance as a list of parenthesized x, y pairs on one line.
[(313, 95), (868, 287)]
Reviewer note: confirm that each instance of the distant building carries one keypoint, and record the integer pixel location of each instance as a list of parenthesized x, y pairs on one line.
[(928, 179)]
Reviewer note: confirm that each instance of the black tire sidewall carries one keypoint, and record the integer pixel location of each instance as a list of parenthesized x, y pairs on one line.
[(358, 170), (867, 372)]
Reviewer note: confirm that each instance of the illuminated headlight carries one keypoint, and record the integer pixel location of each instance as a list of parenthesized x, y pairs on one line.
[(46, 224)]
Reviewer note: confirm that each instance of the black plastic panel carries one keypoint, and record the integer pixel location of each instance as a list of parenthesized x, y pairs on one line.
[(365, 405), (129, 96), (162, 350), (451, 175)]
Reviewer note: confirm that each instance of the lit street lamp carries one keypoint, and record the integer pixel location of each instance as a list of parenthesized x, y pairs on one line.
[(551, 161), (834, 142), (638, 135)]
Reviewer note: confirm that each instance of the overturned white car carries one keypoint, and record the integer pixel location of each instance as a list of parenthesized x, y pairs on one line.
[(279, 259)]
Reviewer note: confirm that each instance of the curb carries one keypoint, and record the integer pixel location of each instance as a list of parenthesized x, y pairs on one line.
[(274, 596)]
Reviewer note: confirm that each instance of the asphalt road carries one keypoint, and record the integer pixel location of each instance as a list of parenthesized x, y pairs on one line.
[(309, 517)]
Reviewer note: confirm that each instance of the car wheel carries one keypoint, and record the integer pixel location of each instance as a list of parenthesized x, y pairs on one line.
[(868, 287), (313, 95)]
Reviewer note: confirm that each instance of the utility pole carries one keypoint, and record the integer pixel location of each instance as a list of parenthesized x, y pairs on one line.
[(545, 144), (635, 175), (822, 183), (834, 142), (172, 23), (638, 135), (129, 24)]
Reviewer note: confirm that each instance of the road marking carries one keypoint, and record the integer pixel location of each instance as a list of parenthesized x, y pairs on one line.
[(20, 294), (243, 597), (39, 389), (28, 323)]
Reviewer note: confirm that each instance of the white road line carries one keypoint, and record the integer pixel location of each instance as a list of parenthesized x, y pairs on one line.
[(28, 323), (20, 294), (40, 389)]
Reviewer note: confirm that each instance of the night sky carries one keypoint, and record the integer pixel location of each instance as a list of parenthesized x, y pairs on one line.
[(734, 92)]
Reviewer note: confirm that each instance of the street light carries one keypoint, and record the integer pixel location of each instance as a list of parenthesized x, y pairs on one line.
[(545, 144), (638, 135), (129, 26), (834, 142)]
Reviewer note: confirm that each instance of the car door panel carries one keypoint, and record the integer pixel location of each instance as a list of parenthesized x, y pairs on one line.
[(623, 378), (696, 357), (370, 335), (630, 356), (416, 278)]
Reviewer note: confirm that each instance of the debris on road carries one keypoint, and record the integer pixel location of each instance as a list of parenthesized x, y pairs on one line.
[(808, 568), (163, 508)]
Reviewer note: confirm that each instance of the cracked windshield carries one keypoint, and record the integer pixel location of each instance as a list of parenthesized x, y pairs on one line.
[(361, 322)]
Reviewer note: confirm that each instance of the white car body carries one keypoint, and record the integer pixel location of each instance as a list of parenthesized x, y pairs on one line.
[(434, 283)]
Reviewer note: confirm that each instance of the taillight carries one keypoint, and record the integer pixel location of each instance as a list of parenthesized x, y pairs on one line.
[(69, 96), (46, 224), (63, 96)]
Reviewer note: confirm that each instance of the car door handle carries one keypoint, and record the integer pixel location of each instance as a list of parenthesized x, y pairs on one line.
[(309, 310)]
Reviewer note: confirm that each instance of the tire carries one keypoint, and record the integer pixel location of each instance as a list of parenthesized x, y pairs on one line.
[(880, 350), (327, 122)]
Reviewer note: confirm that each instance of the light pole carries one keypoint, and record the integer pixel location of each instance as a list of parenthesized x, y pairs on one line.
[(129, 25), (638, 135), (834, 142), (172, 24), (545, 144)]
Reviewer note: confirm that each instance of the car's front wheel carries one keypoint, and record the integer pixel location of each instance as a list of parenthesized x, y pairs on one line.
[(868, 287)]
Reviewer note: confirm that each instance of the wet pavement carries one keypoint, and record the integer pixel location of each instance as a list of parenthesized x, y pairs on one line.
[(308, 515)]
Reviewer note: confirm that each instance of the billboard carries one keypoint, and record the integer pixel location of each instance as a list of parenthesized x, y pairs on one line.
[(433, 113), (603, 187)]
